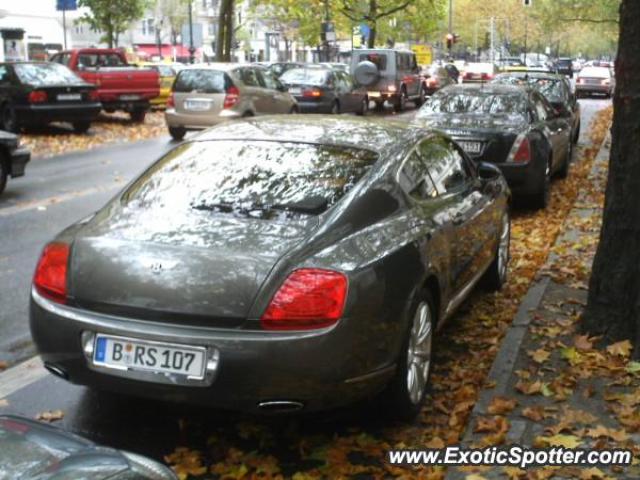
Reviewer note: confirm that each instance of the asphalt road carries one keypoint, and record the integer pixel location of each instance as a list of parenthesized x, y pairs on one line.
[(68, 188)]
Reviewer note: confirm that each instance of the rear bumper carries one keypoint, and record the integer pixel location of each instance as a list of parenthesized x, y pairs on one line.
[(314, 107), (320, 369), (523, 179), (37, 114), (18, 161), (381, 96), (198, 121), (586, 88)]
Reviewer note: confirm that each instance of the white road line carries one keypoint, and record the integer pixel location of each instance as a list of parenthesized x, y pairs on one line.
[(21, 375), (52, 201)]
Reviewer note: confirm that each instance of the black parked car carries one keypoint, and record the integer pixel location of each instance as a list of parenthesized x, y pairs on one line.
[(513, 127), (37, 93), (564, 66), (321, 89), (555, 88), (13, 158), (275, 264), (30, 450)]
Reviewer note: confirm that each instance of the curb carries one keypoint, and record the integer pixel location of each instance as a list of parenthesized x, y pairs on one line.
[(503, 364)]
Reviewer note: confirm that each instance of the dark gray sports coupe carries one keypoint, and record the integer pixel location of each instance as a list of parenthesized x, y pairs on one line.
[(275, 264)]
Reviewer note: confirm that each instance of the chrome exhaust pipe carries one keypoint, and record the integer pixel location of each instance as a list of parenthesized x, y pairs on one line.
[(280, 406), (56, 370)]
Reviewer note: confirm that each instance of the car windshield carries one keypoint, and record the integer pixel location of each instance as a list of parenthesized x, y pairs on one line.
[(253, 178), (44, 74), (201, 81), (479, 101), (597, 72), (305, 76)]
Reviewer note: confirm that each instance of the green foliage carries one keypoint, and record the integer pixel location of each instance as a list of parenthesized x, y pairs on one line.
[(112, 17)]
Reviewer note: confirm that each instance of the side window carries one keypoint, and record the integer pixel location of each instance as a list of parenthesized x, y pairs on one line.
[(4, 75), (414, 178), (269, 79), (348, 83), (541, 111), (446, 165), (249, 77)]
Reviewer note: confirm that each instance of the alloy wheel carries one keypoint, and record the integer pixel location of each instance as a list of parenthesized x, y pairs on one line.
[(419, 352)]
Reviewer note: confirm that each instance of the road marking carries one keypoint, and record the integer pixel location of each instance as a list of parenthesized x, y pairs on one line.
[(51, 201), (21, 375)]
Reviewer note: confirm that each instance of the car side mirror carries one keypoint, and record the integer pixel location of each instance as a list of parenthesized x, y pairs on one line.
[(488, 171)]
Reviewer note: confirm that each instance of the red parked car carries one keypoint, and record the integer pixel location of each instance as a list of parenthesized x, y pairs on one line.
[(120, 86)]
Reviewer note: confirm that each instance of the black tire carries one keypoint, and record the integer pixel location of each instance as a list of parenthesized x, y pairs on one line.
[(294, 110), (138, 116), (379, 106), (177, 133), (400, 102), (422, 97), (335, 108), (81, 127), (496, 275), (247, 114), (364, 107), (9, 119), (540, 200), (564, 169), (396, 397), (4, 173)]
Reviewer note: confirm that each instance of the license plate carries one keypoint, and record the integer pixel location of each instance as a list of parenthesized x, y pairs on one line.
[(373, 94), (197, 105), (132, 354), (471, 147), (69, 96), (127, 98), (295, 91)]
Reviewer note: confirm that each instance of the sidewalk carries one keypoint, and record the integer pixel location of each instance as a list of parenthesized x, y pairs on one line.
[(550, 385)]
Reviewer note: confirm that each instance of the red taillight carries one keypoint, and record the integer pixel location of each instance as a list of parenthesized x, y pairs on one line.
[(171, 101), (50, 278), (231, 98), (581, 81), (312, 92), (37, 96), (432, 82), (93, 95), (309, 298), (523, 154)]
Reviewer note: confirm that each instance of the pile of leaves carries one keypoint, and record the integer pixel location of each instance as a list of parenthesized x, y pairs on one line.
[(59, 138), (464, 352)]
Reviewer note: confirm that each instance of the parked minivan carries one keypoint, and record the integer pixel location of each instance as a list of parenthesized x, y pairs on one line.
[(205, 95), (389, 75)]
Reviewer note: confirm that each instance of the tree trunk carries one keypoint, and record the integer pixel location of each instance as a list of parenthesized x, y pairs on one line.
[(228, 40), (220, 35), (613, 306), (373, 11)]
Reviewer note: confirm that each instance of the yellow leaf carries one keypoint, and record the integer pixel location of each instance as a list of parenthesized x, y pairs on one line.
[(540, 355), (567, 441), (501, 405), (622, 348)]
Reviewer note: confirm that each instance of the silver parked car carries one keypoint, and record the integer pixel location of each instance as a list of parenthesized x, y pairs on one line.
[(205, 95)]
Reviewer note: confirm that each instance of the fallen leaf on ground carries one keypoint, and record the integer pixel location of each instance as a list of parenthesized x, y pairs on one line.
[(622, 348), (50, 415), (535, 413), (582, 342), (501, 405), (567, 441)]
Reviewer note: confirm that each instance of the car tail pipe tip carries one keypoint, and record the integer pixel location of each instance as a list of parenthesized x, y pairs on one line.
[(56, 370), (280, 406)]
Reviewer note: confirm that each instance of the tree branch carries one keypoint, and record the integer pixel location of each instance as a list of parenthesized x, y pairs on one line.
[(590, 20), (394, 10)]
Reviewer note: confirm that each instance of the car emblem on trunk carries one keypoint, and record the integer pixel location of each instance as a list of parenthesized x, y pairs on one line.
[(157, 266)]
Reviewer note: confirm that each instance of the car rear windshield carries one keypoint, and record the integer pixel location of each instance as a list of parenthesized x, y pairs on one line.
[(378, 59), (261, 179), (550, 87), (476, 102), (597, 72), (45, 74), (305, 76), (202, 81)]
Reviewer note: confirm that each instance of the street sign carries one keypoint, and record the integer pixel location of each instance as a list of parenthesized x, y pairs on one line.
[(424, 54), (66, 5)]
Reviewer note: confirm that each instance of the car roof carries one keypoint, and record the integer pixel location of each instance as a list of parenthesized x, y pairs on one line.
[(383, 50), (378, 135), (220, 66)]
